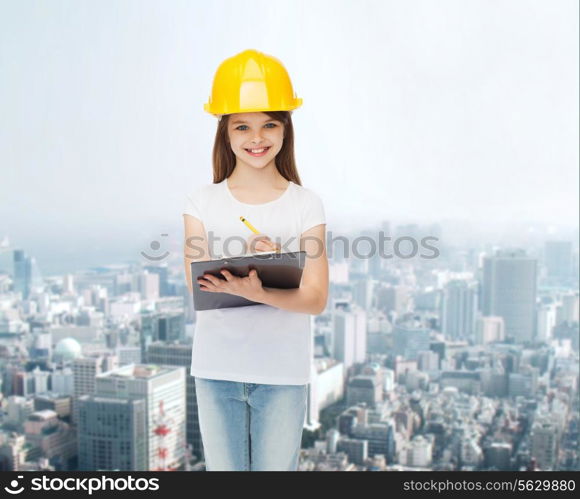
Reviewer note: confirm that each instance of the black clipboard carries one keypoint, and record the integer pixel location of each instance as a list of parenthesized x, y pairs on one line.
[(275, 270)]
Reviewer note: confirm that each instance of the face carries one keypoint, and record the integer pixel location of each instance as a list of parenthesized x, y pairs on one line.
[(258, 132)]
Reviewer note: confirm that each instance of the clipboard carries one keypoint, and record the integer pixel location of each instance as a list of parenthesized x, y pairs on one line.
[(275, 270)]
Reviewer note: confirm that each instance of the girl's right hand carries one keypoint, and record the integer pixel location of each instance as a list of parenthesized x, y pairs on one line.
[(261, 242)]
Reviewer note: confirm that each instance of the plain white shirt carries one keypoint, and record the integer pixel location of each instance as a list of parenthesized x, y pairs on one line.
[(256, 343)]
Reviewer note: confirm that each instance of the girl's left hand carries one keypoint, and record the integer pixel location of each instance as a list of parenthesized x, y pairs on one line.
[(249, 287)]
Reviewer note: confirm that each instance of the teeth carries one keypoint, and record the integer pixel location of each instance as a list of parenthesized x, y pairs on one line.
[(257, 151)]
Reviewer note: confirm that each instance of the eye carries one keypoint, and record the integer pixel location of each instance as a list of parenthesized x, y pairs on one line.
[(273, 126)]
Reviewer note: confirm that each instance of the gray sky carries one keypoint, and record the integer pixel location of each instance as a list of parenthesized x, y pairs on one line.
[(415, 110)]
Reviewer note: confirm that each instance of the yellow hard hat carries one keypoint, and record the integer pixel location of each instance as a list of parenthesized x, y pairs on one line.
[(251, 81)]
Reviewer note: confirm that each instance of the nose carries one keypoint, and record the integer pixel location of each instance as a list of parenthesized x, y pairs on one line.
[(256, 140), (257, 137)]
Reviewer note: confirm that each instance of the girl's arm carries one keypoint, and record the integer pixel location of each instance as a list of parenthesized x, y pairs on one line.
[(311, 296), (195, 245)]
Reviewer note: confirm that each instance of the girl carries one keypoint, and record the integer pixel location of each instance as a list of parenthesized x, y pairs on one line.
[(252, 364)]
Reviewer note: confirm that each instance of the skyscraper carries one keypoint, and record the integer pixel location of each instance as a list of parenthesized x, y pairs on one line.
[(22, 273), (180, 355), (558, 259), (163, 391), (163, 272), (459, 309), (112, 434), (409, 340), (349, 343), (489, 329), (509, 291), (85, 369), (545, 443), (161, 326)]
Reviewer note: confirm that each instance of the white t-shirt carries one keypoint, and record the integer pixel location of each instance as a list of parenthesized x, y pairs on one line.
[(255, 343)]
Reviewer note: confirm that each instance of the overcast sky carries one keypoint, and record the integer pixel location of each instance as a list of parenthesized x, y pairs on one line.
[(414, 110)]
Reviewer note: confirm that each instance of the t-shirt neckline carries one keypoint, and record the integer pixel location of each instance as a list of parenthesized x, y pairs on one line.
[(284, 194)]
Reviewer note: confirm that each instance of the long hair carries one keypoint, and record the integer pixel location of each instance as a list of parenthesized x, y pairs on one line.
[(224, 159)]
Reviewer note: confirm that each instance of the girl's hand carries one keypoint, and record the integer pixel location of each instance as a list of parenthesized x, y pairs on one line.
[(247, 287), (261, 242)]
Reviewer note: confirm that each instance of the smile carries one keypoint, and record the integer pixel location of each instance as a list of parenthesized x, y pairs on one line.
[(257, 152)]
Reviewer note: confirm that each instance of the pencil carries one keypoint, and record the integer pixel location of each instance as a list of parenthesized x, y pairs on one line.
[(255, 231), (249, 225)]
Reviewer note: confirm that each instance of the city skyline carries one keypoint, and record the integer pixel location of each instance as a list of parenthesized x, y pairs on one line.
[(450, 128), (471, 364)]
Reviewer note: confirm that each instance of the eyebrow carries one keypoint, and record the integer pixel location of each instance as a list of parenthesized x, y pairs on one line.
[(245, 122)]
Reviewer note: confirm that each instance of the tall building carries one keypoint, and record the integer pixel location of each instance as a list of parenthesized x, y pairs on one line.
[(112, 434), (568, 310), (364, 388), (509, 291), (326, 387), (85, 370), (545, 444), (379, 247), (363, 293), (420, 452), (489, 330), (68, 284), (459, 309), (162, 271), (22, 273), (545, 322), (180, 355), (393, 300), (409, 340), (349, 342), (161, 326), (162, 392), (148, 285), (558, 258)]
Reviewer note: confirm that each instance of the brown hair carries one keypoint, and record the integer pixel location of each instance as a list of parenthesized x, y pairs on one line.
[(224, 159)]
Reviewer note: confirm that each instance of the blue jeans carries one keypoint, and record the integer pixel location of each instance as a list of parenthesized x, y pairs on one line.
[(250, 426)]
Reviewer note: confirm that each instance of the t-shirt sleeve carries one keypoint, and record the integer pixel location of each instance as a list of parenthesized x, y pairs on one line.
[(192, 205), (313, 213)]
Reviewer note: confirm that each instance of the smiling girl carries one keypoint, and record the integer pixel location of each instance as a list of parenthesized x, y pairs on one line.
[(252, 364)]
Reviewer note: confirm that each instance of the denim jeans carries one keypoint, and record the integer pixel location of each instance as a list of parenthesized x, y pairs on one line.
[(250, 426)]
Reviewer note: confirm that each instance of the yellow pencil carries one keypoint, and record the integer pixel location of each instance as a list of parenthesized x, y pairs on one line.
[(249, 225)]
